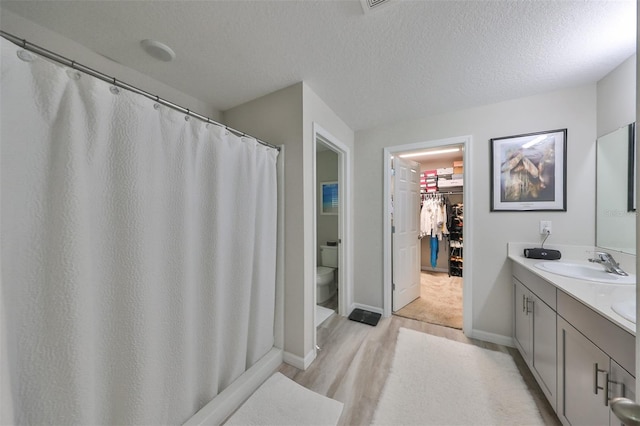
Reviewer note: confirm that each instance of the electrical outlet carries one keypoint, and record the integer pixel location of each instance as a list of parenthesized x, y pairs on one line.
[(545, 227)]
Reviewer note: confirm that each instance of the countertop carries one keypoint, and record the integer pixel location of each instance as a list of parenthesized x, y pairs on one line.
[(597, 296)]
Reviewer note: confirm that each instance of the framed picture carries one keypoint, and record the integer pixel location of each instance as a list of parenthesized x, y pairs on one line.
[(631, 180), (329, 202), (529, 172)]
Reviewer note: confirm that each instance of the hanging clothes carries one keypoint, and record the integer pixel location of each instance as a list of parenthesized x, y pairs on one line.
[(434, 251), (433, 217), (433, 222), (449, 212)]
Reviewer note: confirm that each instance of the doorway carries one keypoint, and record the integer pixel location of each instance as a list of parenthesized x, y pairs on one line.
[(327, 250), (332, 227), (445, 291)]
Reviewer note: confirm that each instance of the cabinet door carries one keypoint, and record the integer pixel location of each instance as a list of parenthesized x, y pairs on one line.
[(582, 370), (621, 384), (544, 346), (522, 326)]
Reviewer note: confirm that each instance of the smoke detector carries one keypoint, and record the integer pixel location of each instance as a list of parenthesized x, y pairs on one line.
[(371, 5), (158, 50)]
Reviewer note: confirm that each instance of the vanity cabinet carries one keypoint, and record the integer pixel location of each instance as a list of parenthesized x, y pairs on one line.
[(535, 328), (579, 358), (583, 378), (594, 360)]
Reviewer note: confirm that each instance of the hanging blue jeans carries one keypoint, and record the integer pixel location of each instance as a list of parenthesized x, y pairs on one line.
[(434, 251)]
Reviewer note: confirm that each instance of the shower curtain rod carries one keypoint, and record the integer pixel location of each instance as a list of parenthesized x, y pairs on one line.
[(97, 74)]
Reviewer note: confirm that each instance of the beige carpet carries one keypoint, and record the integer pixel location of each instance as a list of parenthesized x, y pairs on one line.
[(440, 300)]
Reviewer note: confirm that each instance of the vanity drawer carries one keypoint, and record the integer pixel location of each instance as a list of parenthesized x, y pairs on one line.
[(541, 288), (615, 341)]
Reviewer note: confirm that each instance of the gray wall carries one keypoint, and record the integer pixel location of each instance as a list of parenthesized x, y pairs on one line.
[(287, 117), (617, 98), (616, 109), (574, 109), (315, 110), (277, 118)]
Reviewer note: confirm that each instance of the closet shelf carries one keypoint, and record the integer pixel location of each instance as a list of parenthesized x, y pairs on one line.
[(456, 245)]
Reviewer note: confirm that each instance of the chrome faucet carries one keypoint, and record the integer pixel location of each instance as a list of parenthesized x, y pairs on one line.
[(609, 263)]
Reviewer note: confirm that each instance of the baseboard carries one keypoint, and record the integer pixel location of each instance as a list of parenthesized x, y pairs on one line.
[(227, 401), (366, 308), (299, 362), (430, 269), (498, 339)]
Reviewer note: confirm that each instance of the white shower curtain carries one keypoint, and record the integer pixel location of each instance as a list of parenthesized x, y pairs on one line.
[(138, 252)]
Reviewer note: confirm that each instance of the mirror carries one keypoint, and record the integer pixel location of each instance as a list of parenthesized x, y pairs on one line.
[(615, 194)]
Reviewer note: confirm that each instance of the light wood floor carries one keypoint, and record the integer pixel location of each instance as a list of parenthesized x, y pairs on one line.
[(354, 359)]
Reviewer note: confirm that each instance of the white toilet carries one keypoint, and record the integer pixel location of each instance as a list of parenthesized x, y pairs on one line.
[(326, 285)]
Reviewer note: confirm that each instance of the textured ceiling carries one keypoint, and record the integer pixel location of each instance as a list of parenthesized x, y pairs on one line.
[(409, 60)]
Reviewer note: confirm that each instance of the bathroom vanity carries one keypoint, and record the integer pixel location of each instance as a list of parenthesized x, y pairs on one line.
[(580, 350)]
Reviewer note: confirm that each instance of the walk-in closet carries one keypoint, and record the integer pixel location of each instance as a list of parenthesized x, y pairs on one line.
[(441, 220)]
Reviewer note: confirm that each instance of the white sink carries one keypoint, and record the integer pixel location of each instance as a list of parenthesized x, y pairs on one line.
[(585, 271), (626, 310)]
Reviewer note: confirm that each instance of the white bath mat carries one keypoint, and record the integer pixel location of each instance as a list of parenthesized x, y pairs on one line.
[(436, 381), (281, 401), (322, 314)]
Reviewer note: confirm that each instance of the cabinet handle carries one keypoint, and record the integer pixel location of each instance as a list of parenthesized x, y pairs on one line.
[(524, 306), (606, 389), (596, 387), (529, 311)]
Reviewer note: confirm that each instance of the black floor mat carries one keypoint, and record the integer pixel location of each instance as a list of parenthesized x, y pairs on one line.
[(366, 317)]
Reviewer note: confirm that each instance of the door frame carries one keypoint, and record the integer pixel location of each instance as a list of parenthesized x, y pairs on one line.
[(345, 230), (467, 286)]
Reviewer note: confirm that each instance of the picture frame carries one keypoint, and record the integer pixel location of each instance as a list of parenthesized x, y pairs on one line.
[(631, 173), (529, 172), (329, 201)]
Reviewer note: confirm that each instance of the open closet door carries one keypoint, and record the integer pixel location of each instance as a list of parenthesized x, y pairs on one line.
[(406, 245)]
